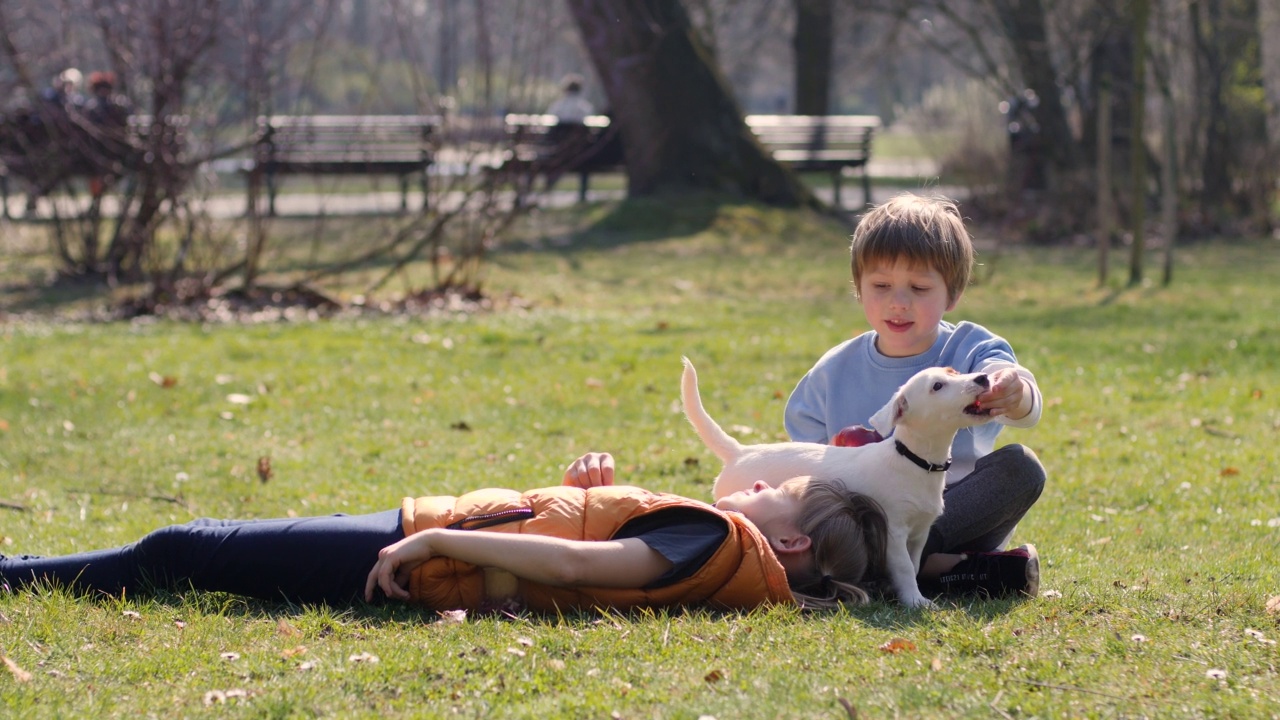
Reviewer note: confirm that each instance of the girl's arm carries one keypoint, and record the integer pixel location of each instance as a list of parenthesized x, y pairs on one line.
[(625, 563)]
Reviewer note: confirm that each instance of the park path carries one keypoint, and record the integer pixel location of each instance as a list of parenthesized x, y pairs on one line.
[(914, 175)]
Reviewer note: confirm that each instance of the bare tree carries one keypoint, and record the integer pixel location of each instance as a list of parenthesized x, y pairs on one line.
[(678, 119)]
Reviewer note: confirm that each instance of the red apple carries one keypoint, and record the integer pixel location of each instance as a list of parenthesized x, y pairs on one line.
[(856, 436)]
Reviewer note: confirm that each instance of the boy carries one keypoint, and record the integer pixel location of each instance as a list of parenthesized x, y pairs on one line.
[(911, 258)]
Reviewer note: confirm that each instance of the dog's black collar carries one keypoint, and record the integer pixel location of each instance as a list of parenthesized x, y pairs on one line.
[(919, 461)]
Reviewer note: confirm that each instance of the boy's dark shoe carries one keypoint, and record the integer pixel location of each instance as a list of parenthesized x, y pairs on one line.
[(1008, 573)]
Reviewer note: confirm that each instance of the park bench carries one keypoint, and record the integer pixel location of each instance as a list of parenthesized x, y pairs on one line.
[(76, 148), (805, 143), (399, 145), (820, 143), (542, 145)]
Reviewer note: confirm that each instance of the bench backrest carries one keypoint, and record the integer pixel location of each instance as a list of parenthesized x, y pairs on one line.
[(354, 136), (791, 134)]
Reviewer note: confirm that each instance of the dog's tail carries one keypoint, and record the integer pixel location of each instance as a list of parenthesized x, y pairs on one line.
[(713, 436)]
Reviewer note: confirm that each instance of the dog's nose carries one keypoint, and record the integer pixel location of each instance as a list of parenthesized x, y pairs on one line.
[(982, 381)]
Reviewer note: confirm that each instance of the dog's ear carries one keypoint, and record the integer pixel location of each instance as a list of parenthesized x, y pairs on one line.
[(888, 416)]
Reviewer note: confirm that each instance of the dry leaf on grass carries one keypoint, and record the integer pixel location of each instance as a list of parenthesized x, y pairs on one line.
[(18, 673), (898, 645), (452, 617), (364, 657), (715, 676), (164, 381), (218, 697), (1273, 605), (265, 472)]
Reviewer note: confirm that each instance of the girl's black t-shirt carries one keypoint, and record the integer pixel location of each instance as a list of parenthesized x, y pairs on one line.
[(687, 537)]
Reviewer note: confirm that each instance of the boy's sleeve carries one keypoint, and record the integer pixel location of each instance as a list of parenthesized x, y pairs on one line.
[(805, 417)]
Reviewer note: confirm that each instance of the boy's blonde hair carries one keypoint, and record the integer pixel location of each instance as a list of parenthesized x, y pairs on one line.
[(924, 231), (848, 535)]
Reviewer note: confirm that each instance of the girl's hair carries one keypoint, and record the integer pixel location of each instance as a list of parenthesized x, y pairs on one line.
[(923, 231), (848, 535)]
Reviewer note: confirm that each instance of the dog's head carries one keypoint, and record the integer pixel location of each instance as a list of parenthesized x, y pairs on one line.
[(937, 397)]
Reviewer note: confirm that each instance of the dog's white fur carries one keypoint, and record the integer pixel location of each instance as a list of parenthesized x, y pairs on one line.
[(924, 415)]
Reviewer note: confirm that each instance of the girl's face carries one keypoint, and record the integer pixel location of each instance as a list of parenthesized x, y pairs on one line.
[(904, 304), (776, 513), (763, 505)]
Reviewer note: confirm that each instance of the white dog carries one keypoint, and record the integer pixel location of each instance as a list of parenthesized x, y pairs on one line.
[(904, 473)]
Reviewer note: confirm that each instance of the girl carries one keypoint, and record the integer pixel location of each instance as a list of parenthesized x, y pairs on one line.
[(582, 545)]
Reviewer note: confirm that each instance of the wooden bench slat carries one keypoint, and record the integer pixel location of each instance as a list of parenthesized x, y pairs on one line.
[(397, 145)]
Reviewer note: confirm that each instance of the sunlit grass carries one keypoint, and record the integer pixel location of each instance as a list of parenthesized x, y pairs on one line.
[(1159, 527)]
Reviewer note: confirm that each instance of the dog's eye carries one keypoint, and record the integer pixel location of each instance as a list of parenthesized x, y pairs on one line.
[(937, 386)]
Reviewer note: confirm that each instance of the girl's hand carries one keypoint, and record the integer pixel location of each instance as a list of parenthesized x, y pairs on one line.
[(1005, 396), (395, 563), (590, 470)]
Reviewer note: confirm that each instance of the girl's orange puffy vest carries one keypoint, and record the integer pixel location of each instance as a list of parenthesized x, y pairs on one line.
[(742, 573)]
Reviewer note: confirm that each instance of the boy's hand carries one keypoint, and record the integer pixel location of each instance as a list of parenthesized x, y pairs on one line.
[(590, 470), (1006, 394)]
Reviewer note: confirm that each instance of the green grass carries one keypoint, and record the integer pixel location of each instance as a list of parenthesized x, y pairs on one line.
[(1159, 520)]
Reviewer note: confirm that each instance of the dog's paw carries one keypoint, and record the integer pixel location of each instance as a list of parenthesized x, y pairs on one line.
[(919, 602)]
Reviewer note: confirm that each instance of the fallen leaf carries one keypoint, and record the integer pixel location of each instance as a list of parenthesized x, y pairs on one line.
[(525, 642), (936, 665), (517, 652), (595, 383), (219, 697), (1138, 638), (898, 645), (230, 656), (848, 708), (714, 676), (1230, 471), (364, 657), (264, 468), (460, 425), (1273, 605), (18, 673), (1215, 674), (132, 614), (449, 617), (239, 399), (164, 381), (4, 425), (286, 628), (293, 651), (308, 665)]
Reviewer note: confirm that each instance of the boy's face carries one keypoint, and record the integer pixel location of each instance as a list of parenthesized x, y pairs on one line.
[(904, 304)]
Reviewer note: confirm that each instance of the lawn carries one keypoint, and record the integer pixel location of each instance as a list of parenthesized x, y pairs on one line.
[(1158, 530)]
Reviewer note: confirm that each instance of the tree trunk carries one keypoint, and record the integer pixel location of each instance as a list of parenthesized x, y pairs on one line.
[(1025, 28), (680, 124), (1138, 162), (813, 44), (1215, 178), (1269, 41), (1106, 213)]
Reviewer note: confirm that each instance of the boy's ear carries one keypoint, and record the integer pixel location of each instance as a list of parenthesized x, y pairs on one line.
[(790, 543)]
